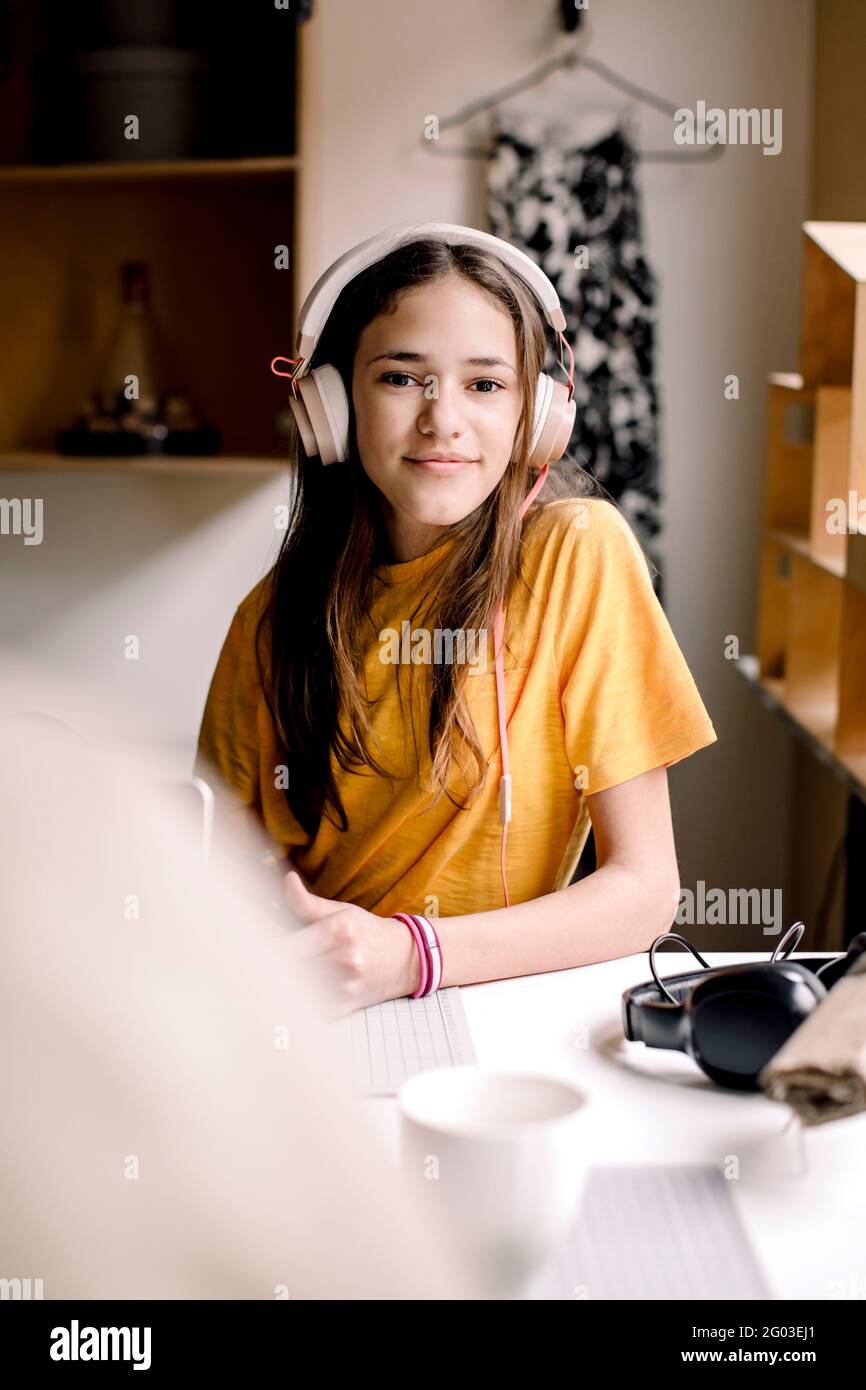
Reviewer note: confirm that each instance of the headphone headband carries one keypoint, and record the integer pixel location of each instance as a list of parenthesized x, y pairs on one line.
[(323, 296)]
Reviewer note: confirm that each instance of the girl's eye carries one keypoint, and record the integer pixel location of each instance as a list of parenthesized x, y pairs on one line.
[(488, 381), (388, 375), (405, 376)]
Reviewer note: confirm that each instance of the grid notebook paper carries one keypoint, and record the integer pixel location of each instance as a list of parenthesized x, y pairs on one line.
[(669, 1232), (387, 1043)]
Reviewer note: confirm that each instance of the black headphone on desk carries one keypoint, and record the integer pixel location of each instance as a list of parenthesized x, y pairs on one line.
[(732, 1020)]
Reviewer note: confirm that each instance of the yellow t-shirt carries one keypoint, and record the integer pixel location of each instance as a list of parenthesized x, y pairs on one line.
[(597, 692)]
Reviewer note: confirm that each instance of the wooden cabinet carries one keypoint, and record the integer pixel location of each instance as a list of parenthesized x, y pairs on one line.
[(812, 599), (208, 228)]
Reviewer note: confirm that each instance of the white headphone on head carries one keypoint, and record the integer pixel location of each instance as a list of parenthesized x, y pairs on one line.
[(319, 400)]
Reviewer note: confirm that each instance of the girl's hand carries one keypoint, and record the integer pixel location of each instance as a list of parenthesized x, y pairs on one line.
[(356, 957)]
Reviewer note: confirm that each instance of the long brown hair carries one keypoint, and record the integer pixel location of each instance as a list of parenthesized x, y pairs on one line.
[(313, 634)]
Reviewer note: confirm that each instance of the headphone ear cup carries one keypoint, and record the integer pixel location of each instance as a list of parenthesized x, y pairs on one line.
[(554, 421), (322, 414), (305, 428)]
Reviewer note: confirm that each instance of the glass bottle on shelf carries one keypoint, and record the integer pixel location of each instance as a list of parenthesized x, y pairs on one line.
[(137, 406)]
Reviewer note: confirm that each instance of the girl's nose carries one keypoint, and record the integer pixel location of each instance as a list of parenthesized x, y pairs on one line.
[(442, 409)]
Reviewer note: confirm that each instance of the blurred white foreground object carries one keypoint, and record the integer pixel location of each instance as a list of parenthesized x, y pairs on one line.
[(174, 1122)]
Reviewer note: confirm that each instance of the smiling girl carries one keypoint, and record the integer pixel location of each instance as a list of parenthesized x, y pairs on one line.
[(369, 753)]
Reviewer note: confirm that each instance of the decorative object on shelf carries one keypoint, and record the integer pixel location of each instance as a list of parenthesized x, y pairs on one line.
[(137, 406), (159, 89), (129, 22), (201, 83)]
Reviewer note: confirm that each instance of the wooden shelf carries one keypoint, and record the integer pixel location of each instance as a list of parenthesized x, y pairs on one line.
[(261, 169), (209, 229), (811, 641), (790, 447), (799, 543), (221, 307), (834, 256), (844, 243), (851, 767), (38, 461)]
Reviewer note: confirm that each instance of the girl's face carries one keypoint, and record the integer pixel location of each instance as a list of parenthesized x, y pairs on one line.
[(438, 376)]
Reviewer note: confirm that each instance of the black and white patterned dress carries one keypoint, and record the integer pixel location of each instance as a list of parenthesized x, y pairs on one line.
[(551, 195)]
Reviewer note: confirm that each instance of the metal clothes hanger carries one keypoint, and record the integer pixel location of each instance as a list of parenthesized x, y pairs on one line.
[(573, 57)]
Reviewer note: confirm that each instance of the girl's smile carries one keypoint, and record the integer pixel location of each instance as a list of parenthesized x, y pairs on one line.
[(443, 467)]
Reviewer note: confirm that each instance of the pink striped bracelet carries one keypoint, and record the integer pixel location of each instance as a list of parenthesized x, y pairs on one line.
[(429, 952), (434, 953), (420, 943)]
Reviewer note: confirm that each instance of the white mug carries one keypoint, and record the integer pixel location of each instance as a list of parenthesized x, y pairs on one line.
[(498, 1161)]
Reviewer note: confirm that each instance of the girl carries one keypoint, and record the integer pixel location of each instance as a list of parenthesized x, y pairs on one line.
[(340, 714)]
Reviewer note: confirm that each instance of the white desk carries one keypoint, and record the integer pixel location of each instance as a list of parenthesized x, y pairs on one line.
[(801, 1193)]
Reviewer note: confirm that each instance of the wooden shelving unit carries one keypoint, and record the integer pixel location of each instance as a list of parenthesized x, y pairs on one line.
[(812, 599), (215, 465), (150, 170), (208, 229)]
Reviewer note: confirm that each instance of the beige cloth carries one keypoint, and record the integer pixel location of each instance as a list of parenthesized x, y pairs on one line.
[(821, 1070), (174, 1125)]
